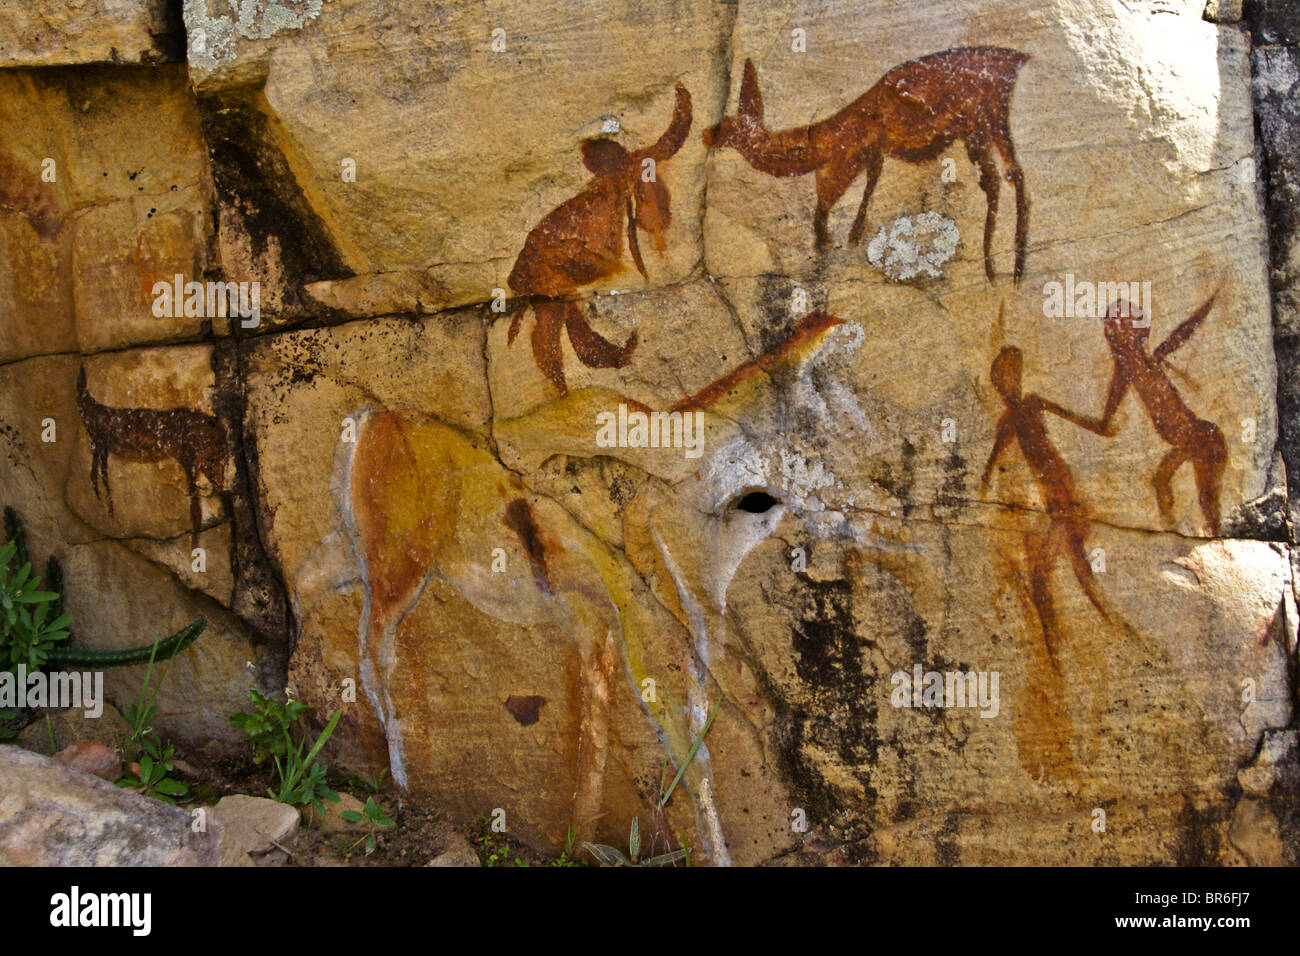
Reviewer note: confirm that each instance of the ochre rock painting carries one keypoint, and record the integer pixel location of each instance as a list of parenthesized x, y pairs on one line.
[(915, 112), (422, 499), (581, 242), (1065, 537), (538, 592), (1190, 438), (195, 440)]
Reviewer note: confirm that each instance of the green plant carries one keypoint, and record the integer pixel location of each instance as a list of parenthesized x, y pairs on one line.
[(33, 622), (612, 856), (267, 727), (140, 714), (365, 782), (566, 858), (494, 848), (374, 816), (163, 650), (155, 759), (153, 779), (30, 631)]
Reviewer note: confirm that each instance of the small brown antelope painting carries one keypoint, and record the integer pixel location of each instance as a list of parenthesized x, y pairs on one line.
[(196, 441), (581, 242), (914, 113)]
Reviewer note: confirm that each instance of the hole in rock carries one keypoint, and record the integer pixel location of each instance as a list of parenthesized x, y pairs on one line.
[(756, 502)]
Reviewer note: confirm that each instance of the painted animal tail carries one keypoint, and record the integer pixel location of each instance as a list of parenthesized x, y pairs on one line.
[(165, 649)]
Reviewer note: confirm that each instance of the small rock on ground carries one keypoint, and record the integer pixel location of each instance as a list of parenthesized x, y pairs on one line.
[(93, 758), (72, 725), (333, 821), (254, 825), (457, 853)]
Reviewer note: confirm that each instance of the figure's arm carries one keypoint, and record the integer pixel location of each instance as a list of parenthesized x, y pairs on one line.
[(1184, 332), (1097, 426), (999, 443), (631, 240), (1119, 383)]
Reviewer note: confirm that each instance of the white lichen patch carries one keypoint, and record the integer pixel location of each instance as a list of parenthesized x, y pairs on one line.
[(913, 245), (211, 38)]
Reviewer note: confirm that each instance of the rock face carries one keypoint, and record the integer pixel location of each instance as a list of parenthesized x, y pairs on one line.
[(905, 393), (52, 815)]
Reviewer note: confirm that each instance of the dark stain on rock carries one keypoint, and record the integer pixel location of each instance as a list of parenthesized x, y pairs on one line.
[(834, 707), (525, 710), (23, 192), (519, 519), (259, 596), (256, 187), (950, 500), (898, 481), (947, 851), (1199, 831)]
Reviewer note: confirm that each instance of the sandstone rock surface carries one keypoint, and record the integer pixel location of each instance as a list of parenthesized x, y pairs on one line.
[(944, 342)]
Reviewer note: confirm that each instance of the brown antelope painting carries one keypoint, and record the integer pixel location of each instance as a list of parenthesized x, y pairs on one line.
[(581, 242), (1190, 438), (196, 441), (914, 113)]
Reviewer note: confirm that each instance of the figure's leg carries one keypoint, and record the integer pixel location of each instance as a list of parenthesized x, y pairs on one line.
[(1074, 533), (196, 506), (517, 317), (548, 323), (1209, 461), (982, 157), (591, 348), (103, 476), (1016, 176), (1163, 483), (1040, 555), (874, 163), (94, 469), (828, 193)]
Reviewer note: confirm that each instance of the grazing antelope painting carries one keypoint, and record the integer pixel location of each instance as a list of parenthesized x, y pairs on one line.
[(196, 441), (914, 113), (581, 242)]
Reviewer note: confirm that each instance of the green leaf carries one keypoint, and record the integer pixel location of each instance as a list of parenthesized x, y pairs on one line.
[(607, 855), (665, 859), (351, 816), (690, 755), (174, 788), (324, 736)]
